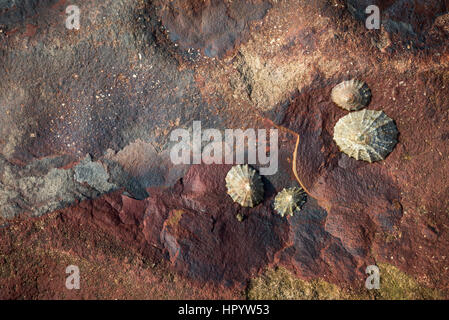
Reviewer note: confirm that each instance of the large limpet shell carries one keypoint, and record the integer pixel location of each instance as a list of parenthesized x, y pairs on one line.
[(244, 185), (367, 135), (289, 201), (351, 95)]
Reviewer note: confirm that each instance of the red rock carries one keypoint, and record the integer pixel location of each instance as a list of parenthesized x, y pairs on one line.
[(357, 214)]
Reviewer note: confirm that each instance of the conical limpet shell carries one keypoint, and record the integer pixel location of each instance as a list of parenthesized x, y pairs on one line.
[(244, 185), (289, 201), (351, 95), (366, 135)]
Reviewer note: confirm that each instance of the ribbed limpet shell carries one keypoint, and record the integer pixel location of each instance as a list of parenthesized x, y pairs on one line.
[(244, 185), (367, 135), (289, 201), (351, 95)]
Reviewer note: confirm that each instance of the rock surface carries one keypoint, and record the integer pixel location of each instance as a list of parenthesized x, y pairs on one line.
[(85, 171)]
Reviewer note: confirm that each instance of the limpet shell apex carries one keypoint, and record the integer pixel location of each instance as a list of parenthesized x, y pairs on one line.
[(244, 185), (289, 201), (351, 95), (367, 135)]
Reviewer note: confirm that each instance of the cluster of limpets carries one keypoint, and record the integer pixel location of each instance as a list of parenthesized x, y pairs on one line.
[(367, 135), (245, 187)]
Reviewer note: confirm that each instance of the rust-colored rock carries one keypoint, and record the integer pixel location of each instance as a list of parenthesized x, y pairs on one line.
[(91, 111)]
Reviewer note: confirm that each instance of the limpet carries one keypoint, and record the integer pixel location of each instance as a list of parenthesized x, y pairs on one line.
[(244, 185), (367, 135), (351, 95), (289, 201)]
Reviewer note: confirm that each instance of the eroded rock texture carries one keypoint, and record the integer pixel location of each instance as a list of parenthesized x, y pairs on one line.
[(213, 27), (85, 170)]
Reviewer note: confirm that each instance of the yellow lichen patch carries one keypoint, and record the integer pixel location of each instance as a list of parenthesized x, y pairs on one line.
[(281, 284), (396, 285), (174, 218), (407, 157)]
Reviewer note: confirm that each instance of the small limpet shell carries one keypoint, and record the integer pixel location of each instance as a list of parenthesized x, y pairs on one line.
[(289, 201), (367, 135), (244, 185), (351, 95)]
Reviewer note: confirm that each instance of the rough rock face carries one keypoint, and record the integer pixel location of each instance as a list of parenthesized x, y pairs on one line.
[(213, 26), (85, 170)]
